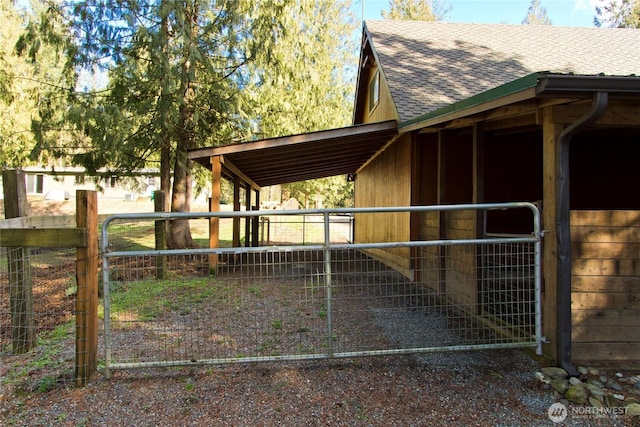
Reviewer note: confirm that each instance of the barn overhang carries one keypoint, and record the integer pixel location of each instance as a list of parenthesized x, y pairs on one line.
[(255, 164), (300, 157)]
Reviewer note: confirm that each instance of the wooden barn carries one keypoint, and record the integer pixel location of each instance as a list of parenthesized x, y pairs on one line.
[(450, 113)]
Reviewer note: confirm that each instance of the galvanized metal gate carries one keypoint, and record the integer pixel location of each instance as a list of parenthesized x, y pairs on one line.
[(327, 298)]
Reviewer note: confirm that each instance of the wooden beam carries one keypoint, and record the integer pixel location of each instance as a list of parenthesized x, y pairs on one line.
[(236, 208), (513, 98), (247, 219), (255, 226), (617, 114), (372, 158), (58, 221), (43, 237), (442, 215), (326, 135), (478, 176), (234, 171), (500, 118)]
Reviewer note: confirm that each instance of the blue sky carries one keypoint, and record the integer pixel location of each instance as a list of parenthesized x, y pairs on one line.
[(571, 13)]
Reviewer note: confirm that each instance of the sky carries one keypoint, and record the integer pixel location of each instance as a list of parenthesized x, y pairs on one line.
[(566, 13)]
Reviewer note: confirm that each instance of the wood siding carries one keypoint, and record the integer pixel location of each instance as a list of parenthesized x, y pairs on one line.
[(605, 285), (386, 181), (461, 261), (385, 108), (450, 270)]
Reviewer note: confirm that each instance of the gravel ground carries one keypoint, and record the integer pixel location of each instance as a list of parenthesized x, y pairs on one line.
[(483, 388), (493, 388)]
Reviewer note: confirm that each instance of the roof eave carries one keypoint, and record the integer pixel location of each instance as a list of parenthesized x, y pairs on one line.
[(585, 85), (528, 87), (516, 90)]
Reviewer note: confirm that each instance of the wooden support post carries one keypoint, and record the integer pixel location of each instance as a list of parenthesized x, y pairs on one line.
[(214, 206), (442, 217), (247, 219), (256, 223), (479, 215), (478, 177), (87, 280), (550, 133), (160, 234), (23, 336), (236, 208)]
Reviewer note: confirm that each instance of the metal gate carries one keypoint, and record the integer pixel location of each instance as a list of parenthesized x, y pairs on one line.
[(327, 298)]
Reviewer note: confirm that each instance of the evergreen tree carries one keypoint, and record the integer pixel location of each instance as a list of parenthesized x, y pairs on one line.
[(23, 91), (172, 69), (187, 74), (618, 13), (313, 89), (537, 14), (417, 10)]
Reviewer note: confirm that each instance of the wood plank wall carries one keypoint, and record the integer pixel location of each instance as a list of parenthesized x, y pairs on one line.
[(386, 181), (606, 286), (385, 109), (461, 262)]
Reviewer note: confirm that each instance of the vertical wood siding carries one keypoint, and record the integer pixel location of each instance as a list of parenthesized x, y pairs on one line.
[(461, 265), (386, 181)]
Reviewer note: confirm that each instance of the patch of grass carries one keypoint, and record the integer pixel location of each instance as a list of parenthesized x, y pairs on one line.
[(46, 383), (51, 357), (255, 290), (148, 299), (276, 324)]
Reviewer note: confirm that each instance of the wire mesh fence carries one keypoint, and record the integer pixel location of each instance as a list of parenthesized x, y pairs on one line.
[(37, 309), (307, 301), (305, 292)]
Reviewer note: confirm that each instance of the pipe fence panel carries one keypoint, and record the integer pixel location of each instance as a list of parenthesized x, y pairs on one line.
[(317, 297)]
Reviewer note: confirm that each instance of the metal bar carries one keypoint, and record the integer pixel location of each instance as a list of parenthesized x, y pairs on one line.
[(328, 285), (334, 246), (319, 356), (107, 315), (232, 214), (539, 233)]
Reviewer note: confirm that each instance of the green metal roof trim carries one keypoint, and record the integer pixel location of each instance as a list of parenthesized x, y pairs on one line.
[(518, 85), (544, 82)]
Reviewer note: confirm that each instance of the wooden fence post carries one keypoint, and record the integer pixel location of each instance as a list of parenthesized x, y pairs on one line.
[(23, 336), (87, 294), (160, 232)]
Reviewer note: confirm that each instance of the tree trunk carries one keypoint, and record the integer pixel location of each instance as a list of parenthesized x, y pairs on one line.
[(165, 173), (179, 236)]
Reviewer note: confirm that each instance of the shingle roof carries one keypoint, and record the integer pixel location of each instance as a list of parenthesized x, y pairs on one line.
[(429, 65)]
